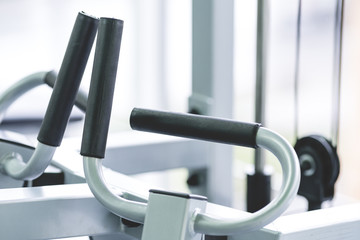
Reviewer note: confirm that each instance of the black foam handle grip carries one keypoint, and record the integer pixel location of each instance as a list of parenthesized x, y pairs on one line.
[(195, 126), (98, 110), (68, 80), (80, 100)]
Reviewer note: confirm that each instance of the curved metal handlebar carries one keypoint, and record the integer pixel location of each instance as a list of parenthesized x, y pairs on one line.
[(60, 105), (116, 204), (97, 120), (11, 94), (231, 132), (203, 223), (185, 125), (24, 85), (291, 179)]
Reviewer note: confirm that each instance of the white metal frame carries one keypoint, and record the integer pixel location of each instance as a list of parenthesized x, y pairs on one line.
[(71, 210)]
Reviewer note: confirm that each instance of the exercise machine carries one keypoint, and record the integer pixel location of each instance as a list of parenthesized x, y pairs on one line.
[(170, 215), (71, 209), (98, 113)]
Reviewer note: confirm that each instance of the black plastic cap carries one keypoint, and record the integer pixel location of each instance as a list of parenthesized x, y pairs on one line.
[(68, 80), (195, 126), (98, 110)]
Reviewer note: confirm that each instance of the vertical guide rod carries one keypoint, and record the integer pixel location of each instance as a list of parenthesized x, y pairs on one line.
[(259, 183), (261, 47), (297, 69), (337, 71)]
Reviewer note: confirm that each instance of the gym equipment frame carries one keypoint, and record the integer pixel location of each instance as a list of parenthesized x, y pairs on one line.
[(72, 210)]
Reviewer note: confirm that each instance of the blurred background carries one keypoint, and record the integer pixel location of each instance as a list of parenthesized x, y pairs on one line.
[(155, 66)]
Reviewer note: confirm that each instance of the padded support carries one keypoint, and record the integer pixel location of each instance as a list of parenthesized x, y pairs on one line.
[(68, 81), (98, 110), (195, 126)]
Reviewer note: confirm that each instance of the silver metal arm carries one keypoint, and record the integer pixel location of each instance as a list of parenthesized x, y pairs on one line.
[(204, 223), (14, 166), (14, 92), (11, 94), (291, 179), (61, 102), (122, 207)]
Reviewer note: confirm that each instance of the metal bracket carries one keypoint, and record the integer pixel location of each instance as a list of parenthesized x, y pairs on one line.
[(171, 216)]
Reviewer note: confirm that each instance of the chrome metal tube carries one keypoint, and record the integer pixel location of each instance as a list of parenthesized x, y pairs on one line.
[(122, 207), (261, 49), (15, 91), (13, 165), (339, 15), (215, 225)]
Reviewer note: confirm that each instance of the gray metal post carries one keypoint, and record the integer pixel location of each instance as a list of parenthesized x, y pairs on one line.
[(337, 71), (259, 182), (212, 84), (261, 48)]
